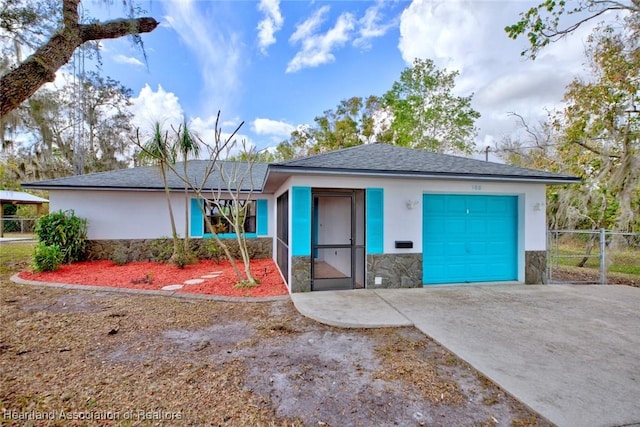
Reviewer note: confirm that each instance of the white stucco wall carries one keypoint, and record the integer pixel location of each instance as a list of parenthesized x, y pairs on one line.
[(128, 214), (122, 214), (402, 222)]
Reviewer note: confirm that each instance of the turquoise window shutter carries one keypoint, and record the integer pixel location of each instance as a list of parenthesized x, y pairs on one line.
[(262, 217), (197, 221), (301, 221), (375, 220)]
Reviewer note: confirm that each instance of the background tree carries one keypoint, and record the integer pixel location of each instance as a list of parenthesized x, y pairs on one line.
[(82, 126), (19, 83), (354, 121), (601, 129), (596, 136), (419, 111), (426, 113), (106, 121)]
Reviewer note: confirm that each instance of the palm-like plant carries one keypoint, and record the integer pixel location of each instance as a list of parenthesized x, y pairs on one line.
[(159, 150), (187, 146)]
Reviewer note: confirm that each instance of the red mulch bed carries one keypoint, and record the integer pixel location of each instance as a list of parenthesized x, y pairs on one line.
[(153, 275)]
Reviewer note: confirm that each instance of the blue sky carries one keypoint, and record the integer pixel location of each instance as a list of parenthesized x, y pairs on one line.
[(278, 64)]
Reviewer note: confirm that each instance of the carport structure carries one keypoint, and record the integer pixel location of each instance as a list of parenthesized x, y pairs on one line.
[(18, 198)]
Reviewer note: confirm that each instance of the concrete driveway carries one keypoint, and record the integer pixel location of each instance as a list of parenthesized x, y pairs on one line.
[(571, 353)]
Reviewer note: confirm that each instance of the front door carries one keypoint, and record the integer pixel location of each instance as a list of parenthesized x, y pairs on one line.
[(333, 242)]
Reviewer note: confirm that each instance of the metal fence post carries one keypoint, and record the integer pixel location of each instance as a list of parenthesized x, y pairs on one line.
[(549, 269), (603, 256)]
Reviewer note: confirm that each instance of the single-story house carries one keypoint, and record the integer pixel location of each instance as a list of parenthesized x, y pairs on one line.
[(371, 216)]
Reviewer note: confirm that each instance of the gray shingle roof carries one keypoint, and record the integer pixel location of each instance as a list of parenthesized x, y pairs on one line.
[(21, 198), (149, 178), (368, 159), (395, 160)]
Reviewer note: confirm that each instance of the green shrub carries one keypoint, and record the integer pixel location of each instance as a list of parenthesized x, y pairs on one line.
[(182, 257), (65, 230), (215, 251), (119, 256), (161, 249), (47, 257)]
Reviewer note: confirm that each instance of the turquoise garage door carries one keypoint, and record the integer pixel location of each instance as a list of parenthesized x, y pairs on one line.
[(469, 238)]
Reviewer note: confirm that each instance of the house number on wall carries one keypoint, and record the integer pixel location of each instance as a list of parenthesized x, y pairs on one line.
[(476, 187)]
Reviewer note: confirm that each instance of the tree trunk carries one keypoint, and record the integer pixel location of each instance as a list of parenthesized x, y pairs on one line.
[(174, 231), (590, 245), (40, 68)]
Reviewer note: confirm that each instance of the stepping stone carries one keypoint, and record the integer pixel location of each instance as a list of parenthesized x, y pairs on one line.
[(172, 287), (193, 281), (210, 276)]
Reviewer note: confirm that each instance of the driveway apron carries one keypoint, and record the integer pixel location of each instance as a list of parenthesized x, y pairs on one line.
[(571, 353)]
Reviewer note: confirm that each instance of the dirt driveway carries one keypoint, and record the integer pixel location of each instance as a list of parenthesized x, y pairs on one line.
[(92, 358)]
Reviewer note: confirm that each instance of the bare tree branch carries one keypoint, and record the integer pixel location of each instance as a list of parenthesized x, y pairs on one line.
[(594, 150)]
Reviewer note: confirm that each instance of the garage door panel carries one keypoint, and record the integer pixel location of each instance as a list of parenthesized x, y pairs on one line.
[(435, 205), (478, 225), (454, 205), (454, 249), (470, 238), (432, 248), (476, 205), (454, 225), (476, 248), (432, 229), (498, 205)]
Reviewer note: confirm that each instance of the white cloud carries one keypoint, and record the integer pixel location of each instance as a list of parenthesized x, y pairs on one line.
[(122, 59), (159, 106), (308, 27), (468, 36), (272, 127), (164, 107), (271, 24), (451, 33), (317, 48), (217, 50), (371, 25)]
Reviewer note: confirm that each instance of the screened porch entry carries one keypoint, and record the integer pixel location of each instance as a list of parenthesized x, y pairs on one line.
[(337, 239)]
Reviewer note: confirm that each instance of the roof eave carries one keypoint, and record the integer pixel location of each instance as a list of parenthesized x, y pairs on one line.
[(432, 175), (114, 188)]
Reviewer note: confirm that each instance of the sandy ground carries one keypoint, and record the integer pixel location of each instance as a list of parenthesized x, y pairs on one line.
[(97, 358), (74, 352)]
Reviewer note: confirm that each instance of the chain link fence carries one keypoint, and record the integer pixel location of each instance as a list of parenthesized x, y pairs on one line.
[(17, 225), (593, 257)]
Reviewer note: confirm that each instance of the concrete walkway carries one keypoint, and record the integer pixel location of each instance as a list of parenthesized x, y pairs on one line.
[(571, 353)]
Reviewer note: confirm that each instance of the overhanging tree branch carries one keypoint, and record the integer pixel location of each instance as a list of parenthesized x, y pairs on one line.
[(40, 68), (541, 24), (594, 150)]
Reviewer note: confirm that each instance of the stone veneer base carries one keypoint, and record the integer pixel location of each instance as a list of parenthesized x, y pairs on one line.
[(405, 271), (157, 249), (395, 270), (535, 268), (300, 274)]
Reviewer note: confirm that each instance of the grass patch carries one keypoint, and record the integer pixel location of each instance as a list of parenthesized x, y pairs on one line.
[(15, 257), (625, 260), (246, 284)]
